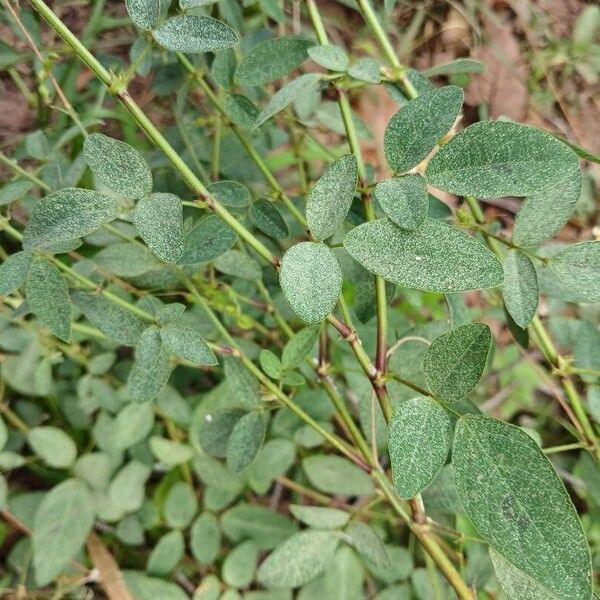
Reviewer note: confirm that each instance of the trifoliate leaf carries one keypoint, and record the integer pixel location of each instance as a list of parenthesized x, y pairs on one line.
[(455, 361), (62, 523), (188, 344), (299, 347), (320, 517), (207, 240), (144, 13), (238, 264), (159, 221), (419, 438), (437, 257), (48, 297), (193, 34), (53, 445), (404, 200), (311, 280), (265, 215), (365, 69), (520, 289), (330, 57), (415, 129), (67, 214), (529, 520), (290, 92), (14, 271), (331, 197), (578, 267), (337, 475), (118, 166), (245, 441), (271, 60)]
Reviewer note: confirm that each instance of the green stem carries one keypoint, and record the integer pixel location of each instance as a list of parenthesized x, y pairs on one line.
[(14, 165)]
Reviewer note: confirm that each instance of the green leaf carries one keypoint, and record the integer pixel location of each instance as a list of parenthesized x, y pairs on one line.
[(159, 221), (265, 215), (419, 438), (290, 92), (53, 445), (437, 257), (239, 565), (188, 344), (578, 267), (230, 193), (500, 158), (167, 553), (299, 559), (181, 505), (270, 363), (170, 452), (404, 200), (275, 458), (271, 60), (368, 544), (61, 525), (344, 579), (48, 297), (193, 34), (3, 434), (36, 145), (520, 290), (11, 192), (205, 538), (110, 318), (216, 429), (365, 69), (118, 166), (415, 129), (528, 519), (299, 347), (151, 588), (245, 441), (133, 423), (455, 361), (144, 13), (311, 280), (320, 517), (67, 214), (586, 350), (242, 383), (460, 65), (14, 271), (207, 240), (240, 110), (127, 488), (331, 197), (337, 475), (238, 264), (125, 259), (330, 57), (151, 367)]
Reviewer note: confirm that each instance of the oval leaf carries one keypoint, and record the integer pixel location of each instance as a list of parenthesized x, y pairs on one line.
[(520, 289), (192, 34), (578, 268), (188, 344), (404, 200), (144, 13), (337, 475), (53, 445), (245, 441)]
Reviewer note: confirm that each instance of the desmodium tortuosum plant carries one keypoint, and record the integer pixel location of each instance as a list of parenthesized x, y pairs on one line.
[(239, 358)]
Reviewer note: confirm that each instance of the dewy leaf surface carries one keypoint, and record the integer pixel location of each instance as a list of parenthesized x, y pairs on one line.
[(520, 290), (404, 200), (415, 129), (194, 34), (331, 197), (518, 504), (578, 267), (311, 280), (437, 257), (419, 438), (67, 214)]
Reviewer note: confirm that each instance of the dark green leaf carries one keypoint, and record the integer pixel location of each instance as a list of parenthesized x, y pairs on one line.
[(144, 13), (520, 289), (265, 215), (207, 240), (14, 271), (243, 384), (245, 441), (299, 347), (404, 200), (188, 344), (216, 429)]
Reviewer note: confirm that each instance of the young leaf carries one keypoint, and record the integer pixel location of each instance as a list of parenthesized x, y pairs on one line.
[(311, 280), (193, 34), (337, 475), (53, 445), (14, 271), (188, 344), (67, 214), (460, 65), (415, 129), (331, 197), (159, 221), (210, 238), (290, 92), (245, 441), (118, 166), (455, 361), (299, 347), (11, 192), (320, 517), (151, 367), (205, 538), (265, 215), (330, 57), (144, 13), (404, 200), (530, 521), (500, 158), (419, 438), (270, 363), (437, 257), (271, 60), (578, 267), (299, 559), (520, 289), (48, 297), (62, 523)]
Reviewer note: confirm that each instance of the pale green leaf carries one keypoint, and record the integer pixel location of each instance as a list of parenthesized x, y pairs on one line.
[(128, 486), (331, 197), (578, 267), (167, 553), (67, 214), (193, 34), (210, 238), (243, 384), (299, 347), (144, 13), (367, 543), (415, 129), (170, 452), (518, 504), (159, 221), (36, 145), (299, 559), (205, 538), (239, 565), (53, 445), (365, 69), (181, 505), (344, 578), (3, 434), (245, 441), (14, 271), (455, 361), (311, 280), (459, 65), (188, 344), (118, 166), (62, 523), (240, 110), (152, 588), (133, 423), (437, 257), (404, 200), (48, 297), (275, 458), (216, 428), (320, 517), (520, 290), (265, 215), (330, 57), (230, 193), (11, 192), (271, 60), (586, 350), (270, 363), (126, 259), (337, 475), (238, 264)]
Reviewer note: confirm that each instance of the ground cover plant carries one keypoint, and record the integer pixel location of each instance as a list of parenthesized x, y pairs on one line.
[(246, 356)]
